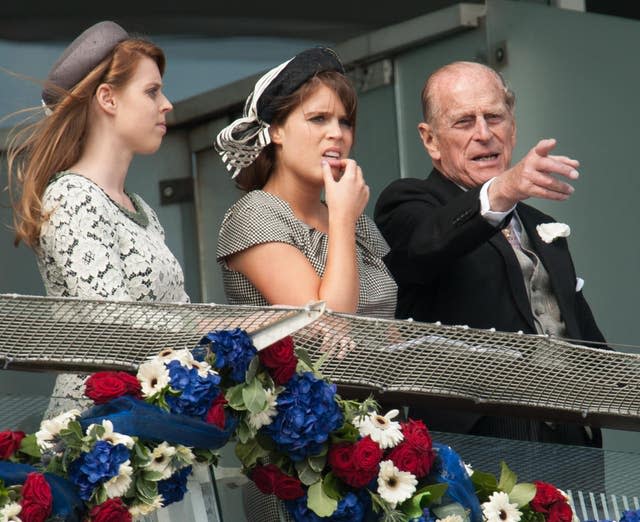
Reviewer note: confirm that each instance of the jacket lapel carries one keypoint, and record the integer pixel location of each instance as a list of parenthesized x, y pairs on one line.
[(449, 190), (516, 281), (555, 258)]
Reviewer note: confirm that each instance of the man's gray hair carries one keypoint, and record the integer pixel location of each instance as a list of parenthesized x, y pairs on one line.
[(431, 110)]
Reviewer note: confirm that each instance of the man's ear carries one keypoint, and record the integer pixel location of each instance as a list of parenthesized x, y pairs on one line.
[(429, 140), (105, 96)]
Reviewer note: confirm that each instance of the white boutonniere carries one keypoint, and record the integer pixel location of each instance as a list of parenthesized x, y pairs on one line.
[(551, 231)]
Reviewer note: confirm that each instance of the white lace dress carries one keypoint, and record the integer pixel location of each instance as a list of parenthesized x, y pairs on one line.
[(91, 247)]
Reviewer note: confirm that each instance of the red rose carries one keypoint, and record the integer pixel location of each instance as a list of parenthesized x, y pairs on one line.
[(280, 360), (215, 415), (102, 387), (112, 510), (270, 479), (36, 500), (265, 478), (560, 512), (10, 443), (282, 374), (341, 458), (287, 487), (355, 464), (416, 434), (546, 496), (367, 454)]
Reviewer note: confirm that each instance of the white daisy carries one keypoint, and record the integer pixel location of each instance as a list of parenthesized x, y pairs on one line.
[(10, 512), (184, 356), (118, 485), (380, 428), (204, 368), (395, 486), (111, 436), (450, 518), (141, 510), (498, 509), (265, 417), (185, 455), (51, 428), (153, 377), (161, 458)]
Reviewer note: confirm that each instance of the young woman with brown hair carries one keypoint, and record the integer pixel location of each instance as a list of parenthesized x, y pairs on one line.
[(281, 243)]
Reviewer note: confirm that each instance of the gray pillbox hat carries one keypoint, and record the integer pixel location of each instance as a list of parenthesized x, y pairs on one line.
[(82, 55)]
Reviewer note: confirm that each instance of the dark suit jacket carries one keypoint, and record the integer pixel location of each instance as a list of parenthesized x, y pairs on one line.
[(452, 266)]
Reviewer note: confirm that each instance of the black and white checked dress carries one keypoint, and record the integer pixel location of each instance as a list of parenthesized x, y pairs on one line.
[(260, 217)]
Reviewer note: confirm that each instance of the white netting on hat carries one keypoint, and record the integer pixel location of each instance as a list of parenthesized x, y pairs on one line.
[(240, 142)]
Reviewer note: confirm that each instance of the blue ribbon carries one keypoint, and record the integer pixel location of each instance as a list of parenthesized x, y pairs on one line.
[(450, 470), (66, 503), (134, 417)]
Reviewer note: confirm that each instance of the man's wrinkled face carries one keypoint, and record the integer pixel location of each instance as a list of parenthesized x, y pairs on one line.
[(472, 133)]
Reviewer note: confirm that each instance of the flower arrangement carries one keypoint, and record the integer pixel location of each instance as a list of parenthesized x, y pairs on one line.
[(324, 457)]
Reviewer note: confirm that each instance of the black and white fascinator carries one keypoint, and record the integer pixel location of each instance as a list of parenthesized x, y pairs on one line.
[(240, 143)]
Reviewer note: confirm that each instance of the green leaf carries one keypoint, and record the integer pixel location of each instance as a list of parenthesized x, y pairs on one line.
[(331, 485), (244, 431), (485, 484), (254, 366), (508, 478), (249, 452), (146, 490), (306, 473), (100, 495), (234, 397), (305, 359), (451, 509), (319, 502), (152, 476), (254, 396), (522, 494), (317, 462), (422, 498), (29, 446)]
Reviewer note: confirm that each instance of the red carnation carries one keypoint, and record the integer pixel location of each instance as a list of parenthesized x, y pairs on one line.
[(560, 512), (215, 415), (10, 443), (102, 387), (36, 500), (112, 510), (355, 464), (271, 480), (546, 496), (280, 360)]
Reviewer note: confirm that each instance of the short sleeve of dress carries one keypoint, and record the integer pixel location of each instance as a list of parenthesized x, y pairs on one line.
[(257, 218), (78, 248)]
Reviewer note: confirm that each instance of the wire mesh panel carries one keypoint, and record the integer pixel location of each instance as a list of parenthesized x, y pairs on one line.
[(527, 375)]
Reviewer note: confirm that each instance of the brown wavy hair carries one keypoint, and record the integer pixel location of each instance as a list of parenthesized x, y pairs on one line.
[(256, 175), (56, 142)]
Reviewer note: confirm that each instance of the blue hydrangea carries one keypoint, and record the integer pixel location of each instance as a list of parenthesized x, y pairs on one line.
[(351, 508), (234, 351), (197, 392), (631, 516), (300, 512), (174, 488), (97, 466), (307, 413)]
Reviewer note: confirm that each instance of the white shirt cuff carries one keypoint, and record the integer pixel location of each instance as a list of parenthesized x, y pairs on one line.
[(492, 217)]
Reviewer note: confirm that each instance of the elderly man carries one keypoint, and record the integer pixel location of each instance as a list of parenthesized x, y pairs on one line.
[(466, 250)]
